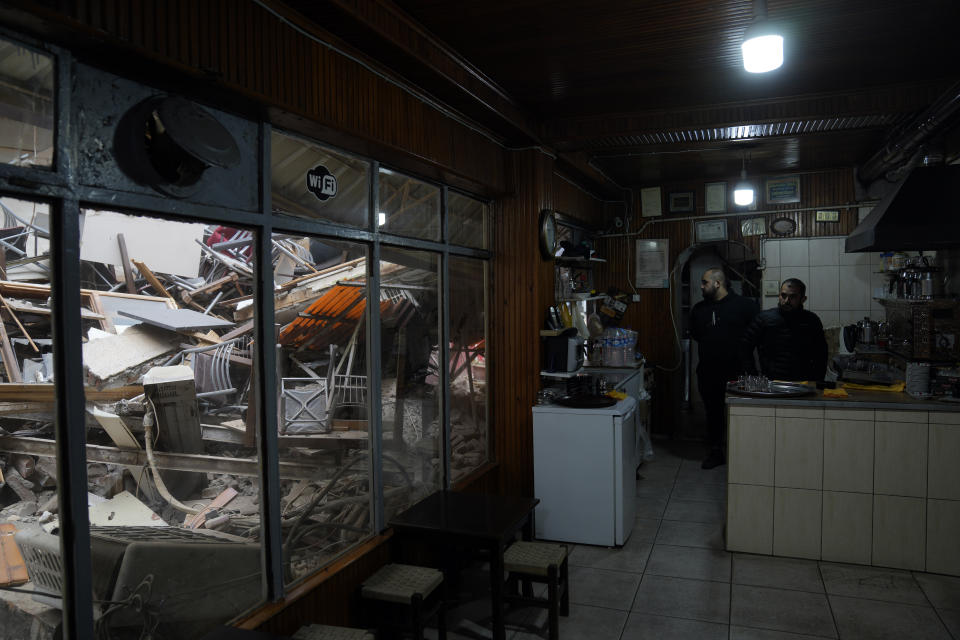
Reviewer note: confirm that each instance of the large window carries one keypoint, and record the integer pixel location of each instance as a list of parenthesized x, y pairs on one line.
[(323, 421), (174, 541), (410, 386), (26, 105), (311, 181), (240, 396)]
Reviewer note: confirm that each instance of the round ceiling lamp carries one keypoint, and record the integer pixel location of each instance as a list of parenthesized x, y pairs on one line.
[(762, 46)]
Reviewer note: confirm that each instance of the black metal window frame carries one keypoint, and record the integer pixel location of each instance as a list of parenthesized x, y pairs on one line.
[(58, 187)]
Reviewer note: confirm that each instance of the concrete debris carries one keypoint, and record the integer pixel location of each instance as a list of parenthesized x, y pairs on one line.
[(203, 426)]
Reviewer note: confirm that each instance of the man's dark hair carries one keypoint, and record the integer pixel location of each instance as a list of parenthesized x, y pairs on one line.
[(716, 273), (795, 283)]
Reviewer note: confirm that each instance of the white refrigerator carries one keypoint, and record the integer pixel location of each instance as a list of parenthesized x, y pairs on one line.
[(585, 463)]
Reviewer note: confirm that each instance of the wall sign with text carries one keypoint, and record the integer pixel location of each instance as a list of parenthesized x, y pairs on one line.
[(783, 190)]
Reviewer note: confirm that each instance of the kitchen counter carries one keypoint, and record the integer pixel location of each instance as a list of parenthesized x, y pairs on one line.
[(869, 479), (857, 399)]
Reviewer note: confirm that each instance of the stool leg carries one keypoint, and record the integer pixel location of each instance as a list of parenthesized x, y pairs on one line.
[(527, 588), (565, 598), (442, 620), (553, 601), (416, 611)]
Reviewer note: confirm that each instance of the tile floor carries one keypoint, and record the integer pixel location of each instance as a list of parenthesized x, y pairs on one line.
[(673, 580)]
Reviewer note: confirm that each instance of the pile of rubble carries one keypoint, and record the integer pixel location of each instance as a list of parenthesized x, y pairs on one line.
[(167, 320)]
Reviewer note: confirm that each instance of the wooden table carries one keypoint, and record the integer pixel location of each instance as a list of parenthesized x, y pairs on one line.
[(471, 520)]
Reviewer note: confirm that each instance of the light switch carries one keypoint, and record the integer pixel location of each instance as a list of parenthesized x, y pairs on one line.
[(771, 288)]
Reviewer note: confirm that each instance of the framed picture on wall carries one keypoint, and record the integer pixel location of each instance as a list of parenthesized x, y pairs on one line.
[(783, 190), (715, 197), (680, 202)]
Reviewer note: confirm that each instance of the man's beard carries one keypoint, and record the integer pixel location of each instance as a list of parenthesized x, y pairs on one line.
[(786, 308), (709, 294)]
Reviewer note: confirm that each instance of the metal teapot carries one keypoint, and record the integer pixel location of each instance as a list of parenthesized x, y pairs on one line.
[(867, 331)]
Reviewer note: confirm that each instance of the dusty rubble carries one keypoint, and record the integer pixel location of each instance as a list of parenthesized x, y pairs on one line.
[(169, 370)]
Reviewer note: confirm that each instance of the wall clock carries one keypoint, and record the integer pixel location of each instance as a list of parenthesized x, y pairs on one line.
[(783, 226), (548, 234)]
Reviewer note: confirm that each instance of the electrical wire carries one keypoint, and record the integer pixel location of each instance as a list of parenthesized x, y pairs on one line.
[(148, 420)]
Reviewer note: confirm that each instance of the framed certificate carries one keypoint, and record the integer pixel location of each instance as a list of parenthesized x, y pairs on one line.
[(653, 264), (650, 202), (710, 230), (715, 197)]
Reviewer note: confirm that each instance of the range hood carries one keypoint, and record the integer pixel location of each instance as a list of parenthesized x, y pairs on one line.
[(921, 212)]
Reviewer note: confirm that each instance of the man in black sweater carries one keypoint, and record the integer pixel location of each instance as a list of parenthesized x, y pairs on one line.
[(717, 324), (789, 338)]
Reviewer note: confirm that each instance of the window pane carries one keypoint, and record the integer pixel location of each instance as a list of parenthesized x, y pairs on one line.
[(29, 489), (411, 392), (324, 417), (469, 434), (310, 181), (468, 221), (408, 207), (170, 375), (26, 106)]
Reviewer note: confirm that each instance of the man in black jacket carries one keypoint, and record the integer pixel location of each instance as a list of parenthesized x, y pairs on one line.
[(717, 323), (789, 338)]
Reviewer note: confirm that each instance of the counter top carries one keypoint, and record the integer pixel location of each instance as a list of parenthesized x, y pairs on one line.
[(857, 399)]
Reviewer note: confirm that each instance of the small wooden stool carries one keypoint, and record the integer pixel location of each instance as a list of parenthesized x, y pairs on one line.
[(327, 632), (407, 593), (539, 562)]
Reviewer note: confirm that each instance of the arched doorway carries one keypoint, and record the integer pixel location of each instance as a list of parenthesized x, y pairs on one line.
[(740, 263)]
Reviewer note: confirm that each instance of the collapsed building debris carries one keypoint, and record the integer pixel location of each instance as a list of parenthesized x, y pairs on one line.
[(170, 386)]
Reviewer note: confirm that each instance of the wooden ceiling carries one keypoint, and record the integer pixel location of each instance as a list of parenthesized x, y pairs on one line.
[(654, 91)]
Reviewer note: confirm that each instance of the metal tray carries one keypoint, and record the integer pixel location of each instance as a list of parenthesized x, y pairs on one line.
[(777, 390), (585, 401)]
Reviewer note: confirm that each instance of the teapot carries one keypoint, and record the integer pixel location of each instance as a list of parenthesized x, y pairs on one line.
[(867, 331)]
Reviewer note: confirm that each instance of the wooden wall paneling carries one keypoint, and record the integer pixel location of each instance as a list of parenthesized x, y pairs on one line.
[(571, 200), (245, 49), (522, 289), (330, 597)]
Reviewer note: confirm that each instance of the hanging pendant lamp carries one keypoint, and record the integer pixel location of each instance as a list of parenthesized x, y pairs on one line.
[(743, 189), (762, 46)]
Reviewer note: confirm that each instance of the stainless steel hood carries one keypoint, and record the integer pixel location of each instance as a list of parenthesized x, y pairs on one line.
[(921, 212)]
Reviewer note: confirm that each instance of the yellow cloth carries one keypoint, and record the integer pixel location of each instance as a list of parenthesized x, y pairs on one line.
[(619, 395), (897, 387), (835, 393)]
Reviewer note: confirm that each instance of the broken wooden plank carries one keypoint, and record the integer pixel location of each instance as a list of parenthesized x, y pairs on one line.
[(196, 520), (44, 392), (152, 279), (13, 569), (125, 262), (243, 329), (19, 324), (9, 359)]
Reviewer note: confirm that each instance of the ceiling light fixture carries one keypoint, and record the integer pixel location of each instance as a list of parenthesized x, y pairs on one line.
[(743, 190), (762, 43)]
